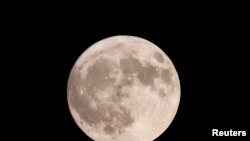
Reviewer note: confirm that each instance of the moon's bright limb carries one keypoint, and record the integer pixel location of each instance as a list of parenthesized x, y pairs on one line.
[(123, 88)]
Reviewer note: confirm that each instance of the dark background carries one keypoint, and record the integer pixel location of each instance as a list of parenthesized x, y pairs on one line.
[(210, 54)]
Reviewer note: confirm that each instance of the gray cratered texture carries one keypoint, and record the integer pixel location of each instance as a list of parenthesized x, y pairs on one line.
[(123, 88)]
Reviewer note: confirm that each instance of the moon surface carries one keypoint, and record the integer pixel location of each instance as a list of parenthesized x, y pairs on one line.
[(123, 88)]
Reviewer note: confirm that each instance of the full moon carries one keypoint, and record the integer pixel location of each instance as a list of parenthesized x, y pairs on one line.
[(123, 88)]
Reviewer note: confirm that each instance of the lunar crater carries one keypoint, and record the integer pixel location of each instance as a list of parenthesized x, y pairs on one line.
[(159, 57)]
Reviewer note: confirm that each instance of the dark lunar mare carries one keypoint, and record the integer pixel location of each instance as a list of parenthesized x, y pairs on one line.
[(97, 79), (114, 116)]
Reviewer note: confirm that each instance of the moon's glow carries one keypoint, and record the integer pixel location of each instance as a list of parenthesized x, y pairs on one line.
[(123, 88)]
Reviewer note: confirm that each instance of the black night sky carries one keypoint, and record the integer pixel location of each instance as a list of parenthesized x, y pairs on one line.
[(210, 55)]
